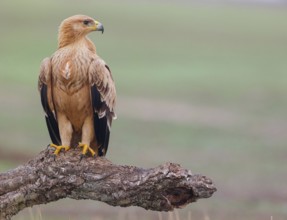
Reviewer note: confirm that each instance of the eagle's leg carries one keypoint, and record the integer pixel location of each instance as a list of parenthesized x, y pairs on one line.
[(66, 130), (88, 136), (59, 148), (86, 149)]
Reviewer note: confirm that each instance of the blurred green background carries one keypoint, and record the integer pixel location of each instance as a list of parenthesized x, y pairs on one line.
[(203, 85)]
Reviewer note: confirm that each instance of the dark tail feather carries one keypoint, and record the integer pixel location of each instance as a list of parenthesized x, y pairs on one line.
[(102, 134), (53, 131)]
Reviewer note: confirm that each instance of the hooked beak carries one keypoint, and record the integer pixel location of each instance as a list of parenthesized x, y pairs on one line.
[(99, 27)]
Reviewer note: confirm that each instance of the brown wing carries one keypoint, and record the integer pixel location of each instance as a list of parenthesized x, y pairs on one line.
[(44, 86), (103, 94)]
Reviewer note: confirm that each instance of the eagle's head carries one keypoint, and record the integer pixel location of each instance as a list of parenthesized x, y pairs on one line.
[(77, 27)]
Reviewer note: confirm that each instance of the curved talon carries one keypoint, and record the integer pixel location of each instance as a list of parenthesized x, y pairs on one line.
[(54, 156), (82, 156), (59, 148), (85, 150)]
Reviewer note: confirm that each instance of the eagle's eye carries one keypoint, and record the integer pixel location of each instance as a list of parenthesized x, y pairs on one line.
[(86, 22)]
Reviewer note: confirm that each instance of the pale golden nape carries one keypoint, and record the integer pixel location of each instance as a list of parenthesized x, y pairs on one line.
[(77, 90)]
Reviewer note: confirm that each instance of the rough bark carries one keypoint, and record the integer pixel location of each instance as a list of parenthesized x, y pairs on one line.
[(43, 180)]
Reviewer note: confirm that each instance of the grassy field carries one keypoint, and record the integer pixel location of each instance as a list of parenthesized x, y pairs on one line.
[(200, 85)]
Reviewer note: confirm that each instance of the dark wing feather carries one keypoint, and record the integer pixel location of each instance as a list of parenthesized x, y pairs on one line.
[(44, 83), (100, 124), (51, 121), (103, 99)]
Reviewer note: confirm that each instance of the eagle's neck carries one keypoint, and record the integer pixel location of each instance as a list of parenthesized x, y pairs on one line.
[(67, 37), (75, 41)]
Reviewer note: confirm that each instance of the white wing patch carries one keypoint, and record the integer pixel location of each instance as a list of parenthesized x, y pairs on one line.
[(66, 71)]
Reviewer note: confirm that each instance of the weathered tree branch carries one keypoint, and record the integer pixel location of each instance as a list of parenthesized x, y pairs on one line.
[(43, 180)]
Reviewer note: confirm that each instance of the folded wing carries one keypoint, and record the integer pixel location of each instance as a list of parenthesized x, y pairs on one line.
[(44, 86), (103, 94)]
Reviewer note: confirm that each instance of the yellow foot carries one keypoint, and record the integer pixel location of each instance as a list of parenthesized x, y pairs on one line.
[(86, 148), (59, 148)]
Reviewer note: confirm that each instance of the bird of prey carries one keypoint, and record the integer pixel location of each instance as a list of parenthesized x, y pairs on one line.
[(77, 90)]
